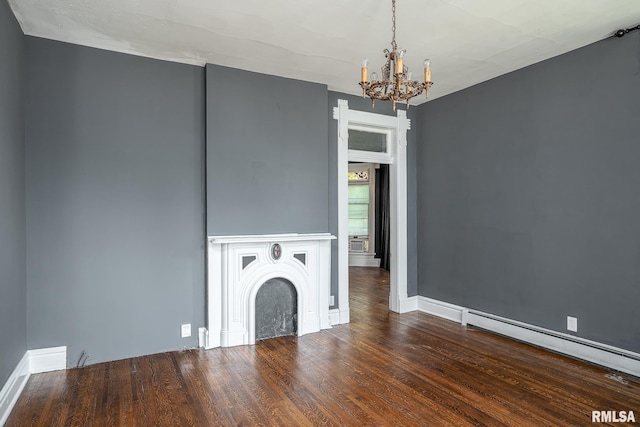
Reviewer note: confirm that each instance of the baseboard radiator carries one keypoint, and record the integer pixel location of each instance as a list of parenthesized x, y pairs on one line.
[(580, 348)]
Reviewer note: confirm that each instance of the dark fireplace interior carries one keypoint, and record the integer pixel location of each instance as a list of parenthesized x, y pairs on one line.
[(276, 309)]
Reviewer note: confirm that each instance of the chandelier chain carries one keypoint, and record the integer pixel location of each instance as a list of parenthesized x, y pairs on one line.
[(393, 26)]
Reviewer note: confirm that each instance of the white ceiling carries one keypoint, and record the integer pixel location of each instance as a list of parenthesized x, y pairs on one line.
[(468, 41)]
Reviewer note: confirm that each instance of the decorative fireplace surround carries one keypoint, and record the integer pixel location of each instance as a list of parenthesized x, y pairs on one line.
[(240, 265)]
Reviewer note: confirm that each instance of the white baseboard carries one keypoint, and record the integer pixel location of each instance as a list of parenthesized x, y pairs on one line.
[(47, 359), (363, 259), (33, 362), (440, 308), (334, 316), (409, 304), (339, 316), (203, 337), (13, 387), (580, 348)]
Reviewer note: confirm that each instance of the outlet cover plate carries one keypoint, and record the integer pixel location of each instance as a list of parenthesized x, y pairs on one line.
[(572, 324), (185, 330)]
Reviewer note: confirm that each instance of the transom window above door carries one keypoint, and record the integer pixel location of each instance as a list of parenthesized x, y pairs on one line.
[(368, 141)]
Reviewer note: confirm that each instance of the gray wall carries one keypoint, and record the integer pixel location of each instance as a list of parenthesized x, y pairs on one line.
[(115, 201), (362, 104), (266, 154), (528, 194), (13, 303)]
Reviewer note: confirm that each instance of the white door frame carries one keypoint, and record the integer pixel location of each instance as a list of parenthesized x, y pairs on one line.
[(396, 157)]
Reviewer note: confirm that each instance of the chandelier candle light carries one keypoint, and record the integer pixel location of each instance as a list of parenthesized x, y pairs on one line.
[(396, 84)]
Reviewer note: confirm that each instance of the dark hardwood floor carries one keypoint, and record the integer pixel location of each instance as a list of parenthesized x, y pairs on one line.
[(381, 369)]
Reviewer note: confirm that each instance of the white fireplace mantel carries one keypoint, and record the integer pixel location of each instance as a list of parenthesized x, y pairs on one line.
[(240, 265)]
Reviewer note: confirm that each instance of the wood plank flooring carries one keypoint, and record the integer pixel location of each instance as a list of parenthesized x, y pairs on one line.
[(381, 369)]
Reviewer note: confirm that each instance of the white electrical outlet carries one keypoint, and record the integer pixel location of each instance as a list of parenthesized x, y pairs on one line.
[(185, 330), (332, 301), (572, 324)]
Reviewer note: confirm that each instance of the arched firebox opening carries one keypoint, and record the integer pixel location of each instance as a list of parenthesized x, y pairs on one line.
[(276, 309)]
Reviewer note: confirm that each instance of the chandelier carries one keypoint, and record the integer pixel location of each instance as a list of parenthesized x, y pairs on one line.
[(396, 84)]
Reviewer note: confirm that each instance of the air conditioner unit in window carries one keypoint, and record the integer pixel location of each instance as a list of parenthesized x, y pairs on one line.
[(357, 245)]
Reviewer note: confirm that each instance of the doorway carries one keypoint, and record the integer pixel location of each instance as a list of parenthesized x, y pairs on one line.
[(368, 210), (391, 150)]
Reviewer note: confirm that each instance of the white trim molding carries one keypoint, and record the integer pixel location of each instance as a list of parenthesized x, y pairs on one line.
[(396, 156), (334, 316), (345, 316), (33, 362), (591, 351), (203, 337), (341, 114), (440, 309), (363, 259), (47, 359), (398, 200), (580, 348), (408, 304), (13, 387)]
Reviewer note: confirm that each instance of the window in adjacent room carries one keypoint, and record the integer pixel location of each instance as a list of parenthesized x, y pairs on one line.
[(359, 210), (359, 203)]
